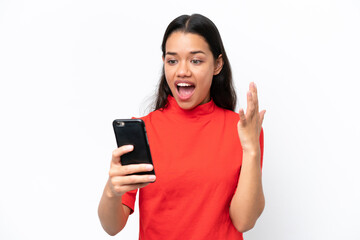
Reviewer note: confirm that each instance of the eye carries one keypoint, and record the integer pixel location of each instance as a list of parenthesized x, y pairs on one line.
[(196, 61), (171, 61)]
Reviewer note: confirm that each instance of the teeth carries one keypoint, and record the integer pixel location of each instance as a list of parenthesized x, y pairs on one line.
[(184, 85)]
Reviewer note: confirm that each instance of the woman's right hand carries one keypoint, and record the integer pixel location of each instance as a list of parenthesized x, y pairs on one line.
[(120, 181)]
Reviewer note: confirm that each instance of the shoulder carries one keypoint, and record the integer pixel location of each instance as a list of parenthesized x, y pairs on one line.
[(228, 114), (151, 116)]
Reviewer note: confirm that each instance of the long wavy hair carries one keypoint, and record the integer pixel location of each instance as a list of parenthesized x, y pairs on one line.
[(222, 91)]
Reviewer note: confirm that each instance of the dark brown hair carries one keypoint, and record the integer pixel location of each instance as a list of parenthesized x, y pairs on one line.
[(222, 91)]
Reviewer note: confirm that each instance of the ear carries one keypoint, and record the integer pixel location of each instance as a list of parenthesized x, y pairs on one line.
[(218, 65)]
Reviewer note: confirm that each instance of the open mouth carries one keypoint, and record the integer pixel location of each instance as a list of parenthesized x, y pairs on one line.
[(185, 89)]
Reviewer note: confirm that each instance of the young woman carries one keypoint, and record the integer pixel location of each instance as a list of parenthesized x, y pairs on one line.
[(207, 158)]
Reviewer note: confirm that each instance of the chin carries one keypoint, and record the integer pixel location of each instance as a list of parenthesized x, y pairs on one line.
[(186, 105)]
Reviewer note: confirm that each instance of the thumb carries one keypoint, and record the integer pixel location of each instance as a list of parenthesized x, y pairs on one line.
[(262, 114), (242, 117), (117, 153)]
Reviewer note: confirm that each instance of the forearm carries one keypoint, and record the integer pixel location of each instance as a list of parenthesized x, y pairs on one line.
[(113, 215), (248, 201)]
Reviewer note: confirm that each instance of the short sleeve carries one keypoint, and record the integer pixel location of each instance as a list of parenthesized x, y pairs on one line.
[(129, 198)]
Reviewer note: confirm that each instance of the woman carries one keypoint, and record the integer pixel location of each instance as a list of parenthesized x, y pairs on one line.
[(194, 136)]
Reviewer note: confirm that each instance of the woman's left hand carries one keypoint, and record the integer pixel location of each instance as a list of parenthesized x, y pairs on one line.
[(249, 125)]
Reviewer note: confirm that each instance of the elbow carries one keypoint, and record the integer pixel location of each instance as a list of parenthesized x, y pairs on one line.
[(111, 233), (246, 222), (109, 228), (244, 226)]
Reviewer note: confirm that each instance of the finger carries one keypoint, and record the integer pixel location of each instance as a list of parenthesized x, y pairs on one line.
[(250, 109), (262, 114), (127, 188), (123, 170), (132, 179), (253, 90), (242, 117), (117, 153)]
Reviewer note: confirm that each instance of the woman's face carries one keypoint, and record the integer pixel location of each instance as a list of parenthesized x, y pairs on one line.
[(189, 68)]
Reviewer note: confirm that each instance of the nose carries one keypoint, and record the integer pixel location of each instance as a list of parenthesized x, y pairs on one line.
[(183, 70)]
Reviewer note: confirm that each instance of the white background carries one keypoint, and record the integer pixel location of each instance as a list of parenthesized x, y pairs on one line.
[(68, 68)]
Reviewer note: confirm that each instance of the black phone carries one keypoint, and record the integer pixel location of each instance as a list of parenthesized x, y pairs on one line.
[(133, 132)]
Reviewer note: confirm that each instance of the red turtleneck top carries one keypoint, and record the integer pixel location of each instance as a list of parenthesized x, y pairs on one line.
[(197, 158)]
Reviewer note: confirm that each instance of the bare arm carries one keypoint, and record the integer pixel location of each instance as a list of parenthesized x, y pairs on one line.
[(248, 201), (112, 213)]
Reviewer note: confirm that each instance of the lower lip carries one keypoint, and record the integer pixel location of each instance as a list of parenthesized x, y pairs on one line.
[(185, 97)]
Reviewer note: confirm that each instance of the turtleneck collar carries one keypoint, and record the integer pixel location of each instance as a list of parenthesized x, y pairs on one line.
[(198, 111)]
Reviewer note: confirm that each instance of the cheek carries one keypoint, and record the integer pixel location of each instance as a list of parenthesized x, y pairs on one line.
[(206, 77), (168, 74)]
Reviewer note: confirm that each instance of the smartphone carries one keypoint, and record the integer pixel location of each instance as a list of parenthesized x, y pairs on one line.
[(133, 132)]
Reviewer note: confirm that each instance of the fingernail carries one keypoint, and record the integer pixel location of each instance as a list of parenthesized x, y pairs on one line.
[(149, 167), (129, 147), (152, 177)]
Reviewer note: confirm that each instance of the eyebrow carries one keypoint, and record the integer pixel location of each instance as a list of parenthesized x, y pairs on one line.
[(192, 52)]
